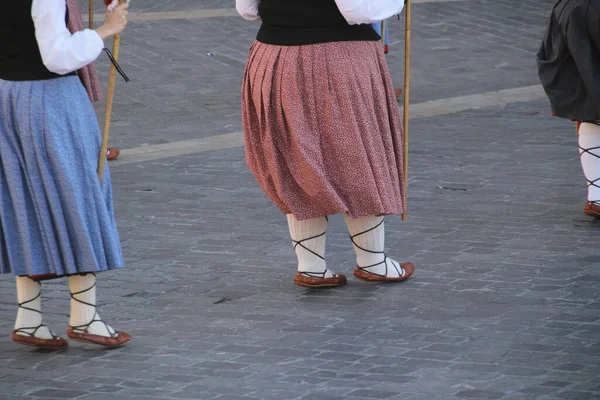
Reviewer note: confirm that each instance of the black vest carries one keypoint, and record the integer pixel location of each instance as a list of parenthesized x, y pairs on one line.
[(20, 58), (300, 22)]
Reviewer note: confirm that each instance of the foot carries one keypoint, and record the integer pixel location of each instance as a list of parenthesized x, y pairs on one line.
[(392, 271), (85, 324), (30, 329), (592, 208), (319, 280), (112, 153)]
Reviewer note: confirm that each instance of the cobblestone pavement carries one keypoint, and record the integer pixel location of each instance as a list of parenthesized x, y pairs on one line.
[(505, 303)]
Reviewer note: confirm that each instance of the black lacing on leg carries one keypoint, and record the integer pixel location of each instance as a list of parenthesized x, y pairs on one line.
[(300, 243), (85, 327), (34, 328), (400, 271), (595, 182)]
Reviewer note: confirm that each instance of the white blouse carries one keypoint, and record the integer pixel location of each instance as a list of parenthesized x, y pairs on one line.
[(354, 11), (62, 52)]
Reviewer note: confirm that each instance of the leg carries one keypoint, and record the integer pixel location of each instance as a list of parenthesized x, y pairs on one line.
[(309, 242), (29, 327), (85, 322), (368, 236), (589, 150)]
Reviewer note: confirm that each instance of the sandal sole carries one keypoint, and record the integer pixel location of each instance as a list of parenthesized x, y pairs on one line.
[(108, 346), (100, 341), (41, 346), (319, 286), (368, 277), (382, 280)]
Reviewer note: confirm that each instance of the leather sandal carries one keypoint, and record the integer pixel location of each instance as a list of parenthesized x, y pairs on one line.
[(116, 339), (405, 271), (318, 280), (592, 208), (112, 153), (398, 93), (56, 343)]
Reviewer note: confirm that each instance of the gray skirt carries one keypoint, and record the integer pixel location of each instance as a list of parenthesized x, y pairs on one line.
[(56, 218)]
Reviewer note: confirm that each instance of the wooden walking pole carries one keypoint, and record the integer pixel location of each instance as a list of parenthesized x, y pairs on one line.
[(112, 80), (91, 14), (383, 33), (406, 93)]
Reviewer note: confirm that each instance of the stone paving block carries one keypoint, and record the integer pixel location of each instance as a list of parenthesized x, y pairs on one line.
[(479, 394), (504, 303), (371, 394), (58, 393)]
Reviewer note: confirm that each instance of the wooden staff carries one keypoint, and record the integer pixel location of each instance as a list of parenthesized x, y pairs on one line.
[(406, 94), (383, 33), (112, 80), (91, 14)]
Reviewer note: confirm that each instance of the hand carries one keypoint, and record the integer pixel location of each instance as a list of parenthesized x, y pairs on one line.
[(114, 22)]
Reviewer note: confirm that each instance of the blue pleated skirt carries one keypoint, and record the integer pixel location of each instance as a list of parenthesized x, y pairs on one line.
[(56, 218)]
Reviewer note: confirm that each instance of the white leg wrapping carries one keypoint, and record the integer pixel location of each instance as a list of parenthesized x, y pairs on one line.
[(589, 150), (83, 306), (309, 243), (368, 237), (29, 317)]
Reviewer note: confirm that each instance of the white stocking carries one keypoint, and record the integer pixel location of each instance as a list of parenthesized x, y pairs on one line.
[(309, 243), (29, 317), (589, 150), (83, 306), (368, 237)]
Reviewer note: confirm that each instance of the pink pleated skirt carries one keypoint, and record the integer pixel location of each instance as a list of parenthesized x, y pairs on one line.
[(322, 129)]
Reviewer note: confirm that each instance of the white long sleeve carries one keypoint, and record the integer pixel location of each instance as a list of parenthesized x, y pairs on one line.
[(61, 51), (368, 11), (248, 9)]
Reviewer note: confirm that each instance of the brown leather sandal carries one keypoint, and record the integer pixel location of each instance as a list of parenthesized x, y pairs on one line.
[(318, 280), (115, 340), (56, 343), (592, 208), (405, 272), (398, 93), (112, 153)]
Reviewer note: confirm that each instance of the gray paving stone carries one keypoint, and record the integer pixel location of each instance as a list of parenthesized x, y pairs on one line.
[(58, 393), (479, 394), (504, 304)]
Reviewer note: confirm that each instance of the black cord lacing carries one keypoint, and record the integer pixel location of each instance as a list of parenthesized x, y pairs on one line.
[(116, 64)]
